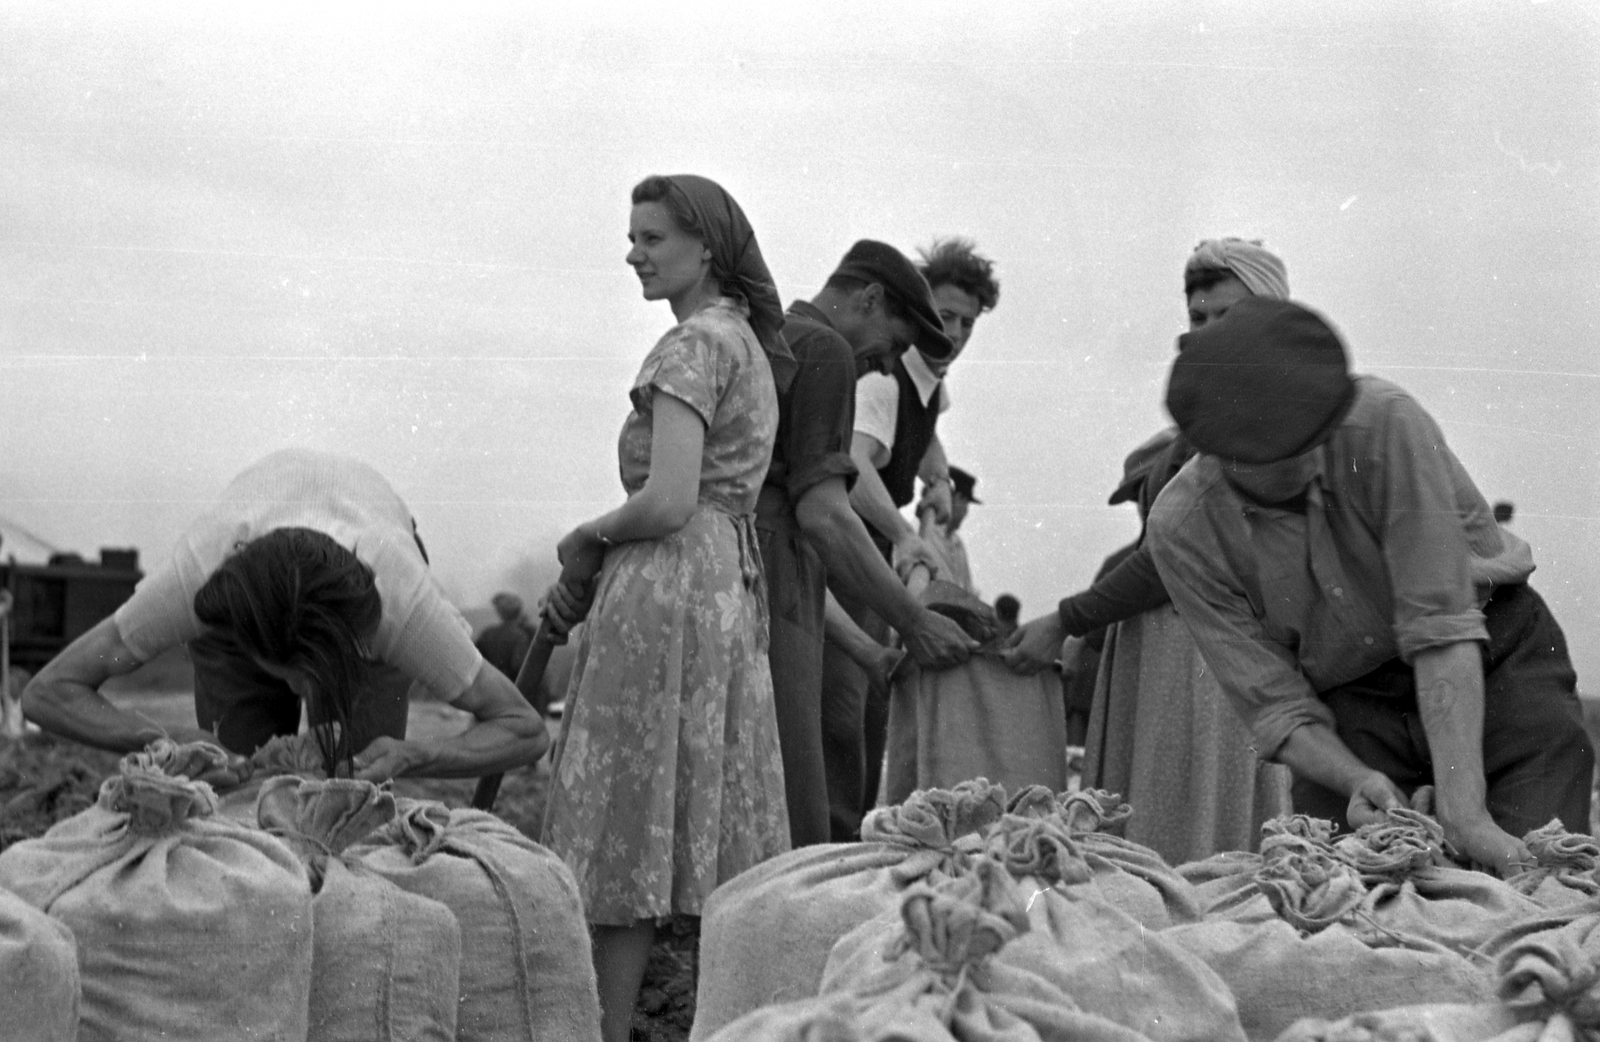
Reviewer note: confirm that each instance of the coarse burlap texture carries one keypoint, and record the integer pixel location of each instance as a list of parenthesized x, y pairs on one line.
[(188, 926), (294, 754), (39, 965), (1563, 875), (1102, 960), (526, 969), (939, 980), (386, 963), (766, 933), (975, 720)]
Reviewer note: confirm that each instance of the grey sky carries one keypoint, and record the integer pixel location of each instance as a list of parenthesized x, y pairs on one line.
[(399, 233)]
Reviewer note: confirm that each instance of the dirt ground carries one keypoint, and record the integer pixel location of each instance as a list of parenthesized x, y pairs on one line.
[(43, 780)]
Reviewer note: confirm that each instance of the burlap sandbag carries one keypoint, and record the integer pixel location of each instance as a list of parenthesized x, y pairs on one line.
[(386, 963), (1548, 988), (1108, 964), (295, 754), (39, 968), (939, 979), (1563, 874), (975, 720), (189, 926), (526, 968), (1129, 875), (766, 933)]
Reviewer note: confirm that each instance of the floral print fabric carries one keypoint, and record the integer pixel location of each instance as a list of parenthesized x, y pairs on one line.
[(668, 779)]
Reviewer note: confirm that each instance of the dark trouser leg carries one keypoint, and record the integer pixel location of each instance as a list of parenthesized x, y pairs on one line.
[(1537, 759), (874, 721), (844, 693), (795, 591), (239, 702)]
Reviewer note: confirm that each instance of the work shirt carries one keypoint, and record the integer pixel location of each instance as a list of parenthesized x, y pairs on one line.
[(1392, 553), (817, 412), (420, 632), (878, 401)]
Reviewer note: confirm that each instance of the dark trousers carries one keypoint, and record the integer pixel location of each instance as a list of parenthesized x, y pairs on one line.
[(1536, 755), (245, 706), (796, 587), (855, 721)]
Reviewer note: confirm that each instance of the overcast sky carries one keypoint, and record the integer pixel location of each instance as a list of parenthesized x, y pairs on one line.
[(399, 233)]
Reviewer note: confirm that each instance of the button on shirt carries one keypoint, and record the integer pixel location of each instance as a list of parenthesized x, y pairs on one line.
[(1391, 554)]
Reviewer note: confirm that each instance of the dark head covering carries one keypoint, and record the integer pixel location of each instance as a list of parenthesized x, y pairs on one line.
[(878, 262), (1138, 465), (1267, 381), (964, 483), (736, 256)]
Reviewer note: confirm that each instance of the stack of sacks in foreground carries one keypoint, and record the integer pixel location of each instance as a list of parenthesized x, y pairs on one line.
[(1547, 990), (1239, 945), (39, 965), (346, 915), (948, 966), (778, 932)]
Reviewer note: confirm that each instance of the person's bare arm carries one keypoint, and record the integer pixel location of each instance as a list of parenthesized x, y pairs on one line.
[(507, 733), (854, 564), (65, 699), (1450, 697), (1315, 752), (870, 499), (934, 470)]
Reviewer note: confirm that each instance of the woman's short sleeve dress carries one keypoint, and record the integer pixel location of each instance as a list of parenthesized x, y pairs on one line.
[(668, 779)]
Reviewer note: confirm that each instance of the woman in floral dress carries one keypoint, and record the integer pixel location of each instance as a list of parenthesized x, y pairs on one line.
[(668, 779)]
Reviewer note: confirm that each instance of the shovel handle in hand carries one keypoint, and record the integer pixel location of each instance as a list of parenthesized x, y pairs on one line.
[(528, 678)]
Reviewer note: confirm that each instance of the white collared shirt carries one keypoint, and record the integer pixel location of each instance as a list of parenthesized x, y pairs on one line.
[(878, 401)]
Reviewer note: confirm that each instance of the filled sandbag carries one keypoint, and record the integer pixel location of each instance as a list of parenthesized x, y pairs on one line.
[(526, 968), (386, 963), (1563, 873), (975, 720), (294, 754), (938, 981), (766, 934), (1128, 875), (188, 926), (39, 965), (1104, 961)]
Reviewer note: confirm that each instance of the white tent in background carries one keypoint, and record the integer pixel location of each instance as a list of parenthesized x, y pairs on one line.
[(17, 542)]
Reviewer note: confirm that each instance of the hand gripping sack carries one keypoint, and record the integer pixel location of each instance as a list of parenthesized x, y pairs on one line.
[(294, 754), (1129, 875), (386, 963), (39, 965), (937, 981), (189, 926), (527, 973), (766, 933)]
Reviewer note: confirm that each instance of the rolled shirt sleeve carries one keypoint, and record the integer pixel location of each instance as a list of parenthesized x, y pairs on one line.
[(821, 414), (1259, 676), (877, 408)]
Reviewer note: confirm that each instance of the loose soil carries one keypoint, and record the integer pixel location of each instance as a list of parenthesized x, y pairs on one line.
[(45, 779)]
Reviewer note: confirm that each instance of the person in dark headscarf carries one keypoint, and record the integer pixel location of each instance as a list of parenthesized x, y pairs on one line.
[(668, 779)]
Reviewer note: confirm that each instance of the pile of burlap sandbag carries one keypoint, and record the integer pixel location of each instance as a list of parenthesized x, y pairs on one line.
[(39, 965), (187, 926), (338, 914)]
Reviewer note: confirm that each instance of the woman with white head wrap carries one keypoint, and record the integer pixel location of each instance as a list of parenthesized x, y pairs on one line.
[(1159, 731)]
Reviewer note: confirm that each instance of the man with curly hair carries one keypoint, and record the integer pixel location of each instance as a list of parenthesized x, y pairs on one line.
[(895, 442)]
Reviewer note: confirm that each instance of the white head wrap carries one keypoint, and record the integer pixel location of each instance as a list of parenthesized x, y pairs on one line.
[(1257, 267)]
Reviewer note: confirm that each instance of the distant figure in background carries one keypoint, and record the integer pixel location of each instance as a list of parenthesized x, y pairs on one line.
[(1160, 731), (1006, 610), (945, 538), (1503, 510), (505, 644), (304, 584)]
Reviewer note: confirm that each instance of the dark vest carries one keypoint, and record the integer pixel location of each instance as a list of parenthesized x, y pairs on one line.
[(913, 430)]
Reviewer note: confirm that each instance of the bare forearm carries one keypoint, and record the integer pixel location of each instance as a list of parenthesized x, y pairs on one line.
[(852, 560), (488, 747), (1316, 753), (79, 712), (935, 467), (870, 499), (1450, 699), (645, 515)]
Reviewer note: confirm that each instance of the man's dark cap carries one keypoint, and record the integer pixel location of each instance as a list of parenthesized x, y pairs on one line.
[(872, 261), (964, 483), (1267, 381), (1138, 465)]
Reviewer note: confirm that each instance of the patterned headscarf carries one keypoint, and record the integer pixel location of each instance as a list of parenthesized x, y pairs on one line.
[(1258, 268), (737, 258)]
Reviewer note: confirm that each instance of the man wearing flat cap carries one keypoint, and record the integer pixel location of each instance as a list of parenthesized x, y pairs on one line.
[(873, 309), (948, 547), (1347, 583)]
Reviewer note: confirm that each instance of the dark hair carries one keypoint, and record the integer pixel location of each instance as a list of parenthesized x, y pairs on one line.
[(1197, 279), (956, 262), (1007, 607), (852, 283), (658, 189), (295, 598)]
